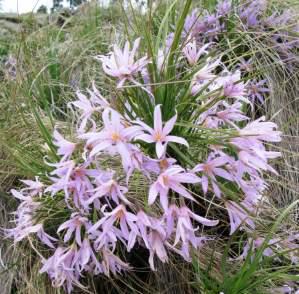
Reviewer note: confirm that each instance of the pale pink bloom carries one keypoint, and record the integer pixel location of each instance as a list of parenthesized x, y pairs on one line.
[(143, 223), (256, 243), (192, 54), (231, 113), (61, 268), (112, 263), (25, 225), (185, 232), (119, 216), (156, 241), (46, 238), (60, 177), (245, 65), (114, 136), (257, 90), (233, 87), (84, 254), (238, 217), (73, 181), (160, 134), (65, 147), (33, 187), (96, 103), (204, 76), (261, 130), (205, 73), (111, 189), (74, 225), (253, 153), (87, 259), (171, 179), (121, 64), (157, 166), (213, 118), (212, 168)]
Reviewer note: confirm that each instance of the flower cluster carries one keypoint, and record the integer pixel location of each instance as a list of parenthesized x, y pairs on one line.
[(95, 176)]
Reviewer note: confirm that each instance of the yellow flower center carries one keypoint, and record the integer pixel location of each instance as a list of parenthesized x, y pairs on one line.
[(164, 164), (158, 136), (115, 137), (165, 180)]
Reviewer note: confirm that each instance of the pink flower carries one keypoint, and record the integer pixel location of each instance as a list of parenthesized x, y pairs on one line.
[(74, 225), (160, 134), (33, 187), (261, 130), (113, 137), (232, 85), (253, 153), (61, 268), (61, 177), (212, 168), (65, 147), (121, 64), (25, 225), (88, 107), (231, 113), (127, 227), (112, 263), (185, 232), (109, 188), (172, 178), (257, 90), (238, 217), (191, 52), (156, 241), (204, 76)]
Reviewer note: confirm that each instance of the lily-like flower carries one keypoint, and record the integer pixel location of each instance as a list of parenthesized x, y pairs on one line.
[(253, 153), (61, 268), (233, 87), (159, 134), (238, 217), (156, 241), (33, 187), (231, 113), (65, 147), (185, 232), (112, 263), (121, 64), (109, 188), (74, 224), (212, 168), (171, 179), (261, 130), (192, 54), (118, 216), (88, 107), (113, 137), (256, 90), (204, 76)]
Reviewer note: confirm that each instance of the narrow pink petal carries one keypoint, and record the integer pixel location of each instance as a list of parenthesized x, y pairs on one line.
[(176, 139), (204, 183), (146, 138), (153, 193), (205, 221), (160, 149), (169, 125), (223, 173)]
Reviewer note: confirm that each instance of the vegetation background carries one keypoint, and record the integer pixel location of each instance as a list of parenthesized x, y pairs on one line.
[(44, 59)]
